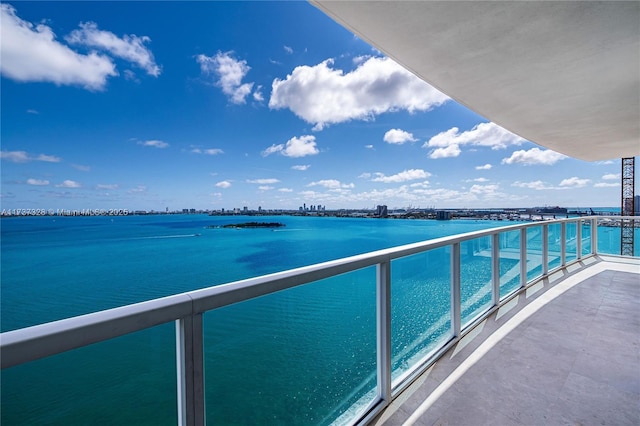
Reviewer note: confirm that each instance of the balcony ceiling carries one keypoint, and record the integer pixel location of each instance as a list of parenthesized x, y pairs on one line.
[(564, 75)]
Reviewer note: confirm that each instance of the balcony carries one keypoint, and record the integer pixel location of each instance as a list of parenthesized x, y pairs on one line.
[(522, 321), (565, 351)]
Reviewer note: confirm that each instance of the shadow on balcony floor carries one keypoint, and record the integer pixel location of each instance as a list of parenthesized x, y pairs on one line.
[(564, 352)]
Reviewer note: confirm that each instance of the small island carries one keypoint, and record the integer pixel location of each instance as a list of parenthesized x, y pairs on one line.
[(250, 225)]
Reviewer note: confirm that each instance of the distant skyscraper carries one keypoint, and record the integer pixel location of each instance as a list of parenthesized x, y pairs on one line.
[(381, 211)]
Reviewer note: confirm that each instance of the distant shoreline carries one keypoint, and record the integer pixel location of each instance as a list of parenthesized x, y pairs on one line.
[(514, 214)]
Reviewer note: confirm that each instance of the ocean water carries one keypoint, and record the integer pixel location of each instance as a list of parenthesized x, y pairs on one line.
[(302, 356)]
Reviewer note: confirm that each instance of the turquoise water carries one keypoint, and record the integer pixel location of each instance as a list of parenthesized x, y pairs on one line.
[(301, 356)]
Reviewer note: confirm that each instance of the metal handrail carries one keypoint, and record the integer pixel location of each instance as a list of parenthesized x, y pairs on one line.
[(31, 343)]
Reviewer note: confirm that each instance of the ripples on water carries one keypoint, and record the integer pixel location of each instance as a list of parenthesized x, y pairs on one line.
[(300, 356)]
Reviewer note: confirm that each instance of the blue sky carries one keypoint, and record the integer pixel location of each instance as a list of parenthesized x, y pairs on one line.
[(210, 105)]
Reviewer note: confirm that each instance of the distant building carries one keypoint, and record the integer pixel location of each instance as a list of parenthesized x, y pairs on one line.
[(443, 215), (381, 211)]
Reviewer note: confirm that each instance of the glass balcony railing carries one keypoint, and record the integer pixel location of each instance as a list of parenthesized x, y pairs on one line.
[(335, 360)]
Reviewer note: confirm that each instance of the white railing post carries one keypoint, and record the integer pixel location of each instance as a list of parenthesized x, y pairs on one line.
[(523, 257), (579, 239), (545, 249), (563, 244), (190, 369), (594, 236), (495, 269), (456, 312), (383, 328)]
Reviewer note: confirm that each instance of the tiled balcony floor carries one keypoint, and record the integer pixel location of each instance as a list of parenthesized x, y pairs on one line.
[(566, 352)]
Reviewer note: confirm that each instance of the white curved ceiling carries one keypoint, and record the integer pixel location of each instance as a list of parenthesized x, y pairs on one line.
[(564, 75)]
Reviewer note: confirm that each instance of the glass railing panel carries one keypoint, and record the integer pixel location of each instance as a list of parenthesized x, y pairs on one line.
[(609, 236), (571, 229), (305, 355), (475, 278), (129, 380), (509, 262), (586, 238), (534, 252), (420, 307), (555, 246)]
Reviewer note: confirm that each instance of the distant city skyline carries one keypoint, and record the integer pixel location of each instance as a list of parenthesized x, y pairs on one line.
[(212, 105)]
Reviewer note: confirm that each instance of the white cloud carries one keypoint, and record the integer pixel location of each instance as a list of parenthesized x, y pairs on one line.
[(481, 180), (131, 76), (369, 146), (322, 95), (223, 184), (574, 182), (273, 149), (130, 47), (288, 49), (485, 167), (448, 143), (263, 181), (285, 190), (48, 158), (611, 176), (565, 184), (295, 147), (69, 184), (32, 111), (37, 182), (360, 59), (107, 186), (265, 188), (534, 156), (15, 156), (606, 185), (403, 176), (537, 185), (301, 167), (81, 167), (154, 143), (138, 189), (483, 189), (398, 136), (332, 184), (229, 72), (209, 151), (450, 151), (257, 94), (24, 157), (31, 53)]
